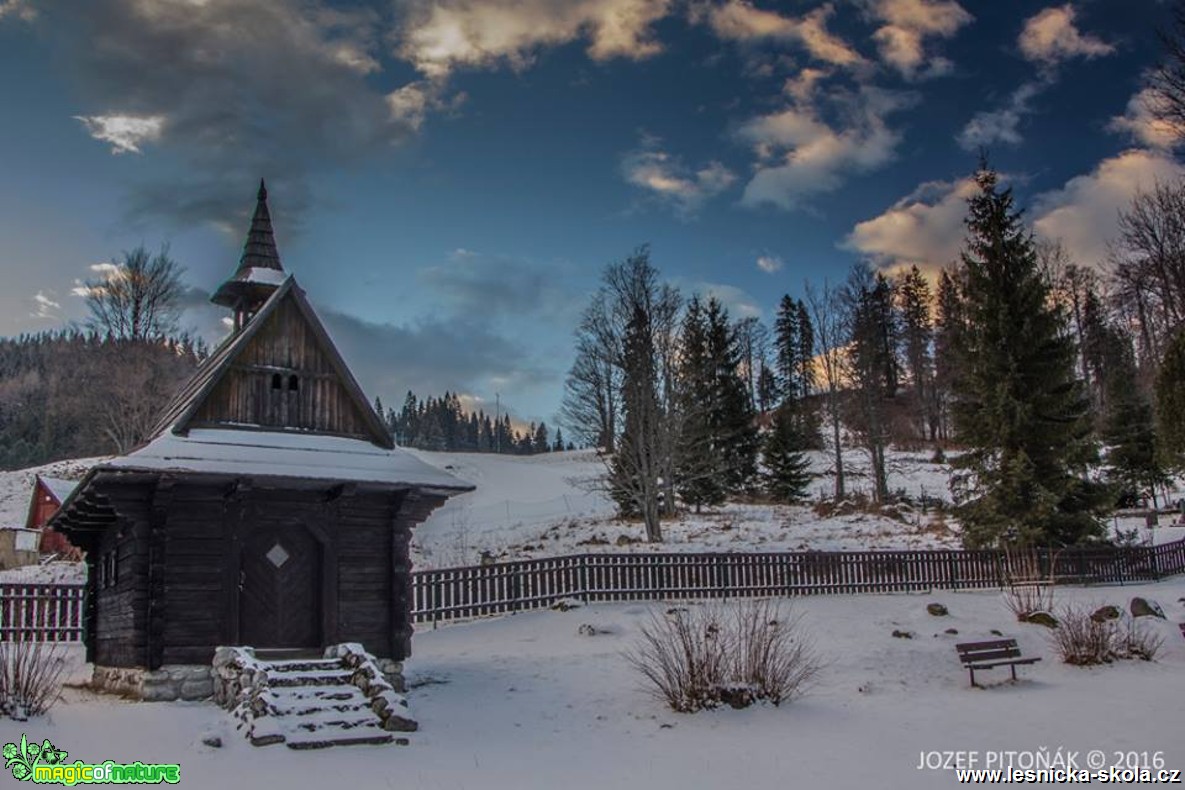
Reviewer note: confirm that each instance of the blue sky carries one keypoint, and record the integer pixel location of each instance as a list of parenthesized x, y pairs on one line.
[(449, 178)]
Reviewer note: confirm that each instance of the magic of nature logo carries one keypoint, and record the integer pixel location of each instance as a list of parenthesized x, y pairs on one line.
[(44, 763)]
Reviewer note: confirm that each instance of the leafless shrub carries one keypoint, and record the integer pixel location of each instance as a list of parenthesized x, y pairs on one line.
[(30, 678), (712, 655), (1081, 640), (1026, 589), (1138, 641), (771, 655)]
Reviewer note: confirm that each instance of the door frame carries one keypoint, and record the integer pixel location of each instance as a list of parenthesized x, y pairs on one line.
[(242, 516)]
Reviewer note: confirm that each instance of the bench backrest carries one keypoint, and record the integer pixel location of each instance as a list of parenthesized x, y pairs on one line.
[(988, 651)]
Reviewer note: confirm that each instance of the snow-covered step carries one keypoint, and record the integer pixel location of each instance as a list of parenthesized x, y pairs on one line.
[(304, 665), (311, 703), (331, 736), (312, 677)]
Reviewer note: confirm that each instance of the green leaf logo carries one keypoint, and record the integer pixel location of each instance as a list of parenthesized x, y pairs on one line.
[(22, 759)]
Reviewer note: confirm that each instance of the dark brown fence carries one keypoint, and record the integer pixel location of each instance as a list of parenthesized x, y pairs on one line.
[(53, 612), (41, 612), (531, 584)]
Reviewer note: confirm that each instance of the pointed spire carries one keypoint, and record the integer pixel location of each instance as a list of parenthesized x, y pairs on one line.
[(260, 250), (252, 282)]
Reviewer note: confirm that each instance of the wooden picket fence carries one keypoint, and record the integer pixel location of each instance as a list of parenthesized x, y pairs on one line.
[(41, 612), (475, 591), (53, 612)]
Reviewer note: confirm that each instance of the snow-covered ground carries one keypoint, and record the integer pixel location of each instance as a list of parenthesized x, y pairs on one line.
[(552, 504), (527, 701), (545, 505)]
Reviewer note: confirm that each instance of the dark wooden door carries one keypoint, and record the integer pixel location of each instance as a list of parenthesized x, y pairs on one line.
[(280, 588)]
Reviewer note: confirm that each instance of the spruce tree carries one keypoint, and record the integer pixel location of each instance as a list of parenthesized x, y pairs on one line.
[(698, 462), (1170, 401), (915, 300), (731, 418), (1018, 407), (1130, 434), (787, 469)]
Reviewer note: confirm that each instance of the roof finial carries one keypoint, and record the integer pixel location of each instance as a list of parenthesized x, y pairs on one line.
[(248, 284)]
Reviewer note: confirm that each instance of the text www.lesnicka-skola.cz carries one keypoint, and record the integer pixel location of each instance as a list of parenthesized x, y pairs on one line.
[(1114, 775), (1058, 766)]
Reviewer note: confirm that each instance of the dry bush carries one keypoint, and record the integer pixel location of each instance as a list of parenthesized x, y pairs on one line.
[(1138, 641), (1026, 590), (1084, 641), (713, 655), (30, 678), (1081, 640)]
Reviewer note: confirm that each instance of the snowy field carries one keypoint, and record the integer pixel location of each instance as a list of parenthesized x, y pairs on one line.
[(547, 505), (551, 504), (526, 701)]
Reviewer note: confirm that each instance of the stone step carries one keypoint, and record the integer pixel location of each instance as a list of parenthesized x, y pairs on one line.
[(316, 742), (319, 665), (328, 677), (321, 719)]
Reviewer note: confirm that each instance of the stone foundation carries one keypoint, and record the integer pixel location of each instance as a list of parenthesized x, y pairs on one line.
[(169, 683)]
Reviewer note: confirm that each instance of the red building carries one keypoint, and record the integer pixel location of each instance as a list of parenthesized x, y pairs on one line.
[(48, 495)]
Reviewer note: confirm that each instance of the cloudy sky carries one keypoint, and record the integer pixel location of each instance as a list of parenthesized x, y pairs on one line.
[(449, 177)]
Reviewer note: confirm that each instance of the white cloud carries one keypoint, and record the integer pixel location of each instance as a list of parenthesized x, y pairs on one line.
[(666, 178), (801, 155), (737, 301), (769, 263), (901, 41), (1051, 37), (20, 9), (1141, 123), (924, 228), (1083, 214), (803, 86), (125, 133), (1002, 124), (44, 306), (740, 20), (439, 37)]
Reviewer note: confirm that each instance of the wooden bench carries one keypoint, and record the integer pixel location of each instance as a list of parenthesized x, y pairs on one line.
[(995, 653)]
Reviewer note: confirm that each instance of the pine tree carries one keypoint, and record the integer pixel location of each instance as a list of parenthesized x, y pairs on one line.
[(1170, 401), (1018, 405), (1129, 431), (915, 300), (731, 419), (787, 468), (794, 340), (872, 365), (948, 326), (699, 463)]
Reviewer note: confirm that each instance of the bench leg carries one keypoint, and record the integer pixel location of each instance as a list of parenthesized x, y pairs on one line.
[(972, 671), (1013, 668)]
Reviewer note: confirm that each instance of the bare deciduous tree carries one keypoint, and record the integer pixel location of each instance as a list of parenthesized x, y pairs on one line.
[(827, 314), (1168, 79), (136, 298)]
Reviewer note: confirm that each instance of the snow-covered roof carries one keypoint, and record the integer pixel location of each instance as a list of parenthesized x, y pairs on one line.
[(289, 455), (259, 274), (61, 489)]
